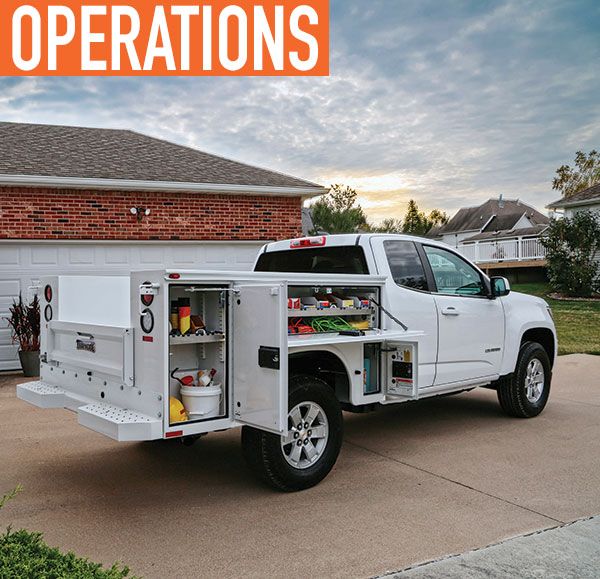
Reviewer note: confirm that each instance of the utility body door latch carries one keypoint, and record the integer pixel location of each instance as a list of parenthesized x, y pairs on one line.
[(269, 357)]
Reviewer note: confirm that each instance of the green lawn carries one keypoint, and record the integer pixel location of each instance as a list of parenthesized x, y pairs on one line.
[(577, 322)]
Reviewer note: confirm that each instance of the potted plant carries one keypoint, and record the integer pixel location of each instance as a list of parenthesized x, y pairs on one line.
[(24, 321)]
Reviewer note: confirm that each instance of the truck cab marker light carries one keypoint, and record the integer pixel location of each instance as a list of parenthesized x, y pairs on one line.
[(308, 242), (174, 275), (48, 293)]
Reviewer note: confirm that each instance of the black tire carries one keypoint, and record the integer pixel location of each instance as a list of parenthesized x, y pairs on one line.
[(512, 391), (263, 451)]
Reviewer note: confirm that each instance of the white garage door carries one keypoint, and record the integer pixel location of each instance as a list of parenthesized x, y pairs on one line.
[(23, 263)]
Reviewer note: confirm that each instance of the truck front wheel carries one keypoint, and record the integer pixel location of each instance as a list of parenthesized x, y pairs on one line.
[(304, 455), (525, 393)]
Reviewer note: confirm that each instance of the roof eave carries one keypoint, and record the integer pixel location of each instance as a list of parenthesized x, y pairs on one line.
[(560, 204), (162, 186)]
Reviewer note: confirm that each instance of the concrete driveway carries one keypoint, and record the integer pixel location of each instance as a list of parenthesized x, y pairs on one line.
[(413, 483)]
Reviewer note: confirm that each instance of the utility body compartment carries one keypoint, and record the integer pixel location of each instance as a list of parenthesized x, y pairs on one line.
[(163, 354)]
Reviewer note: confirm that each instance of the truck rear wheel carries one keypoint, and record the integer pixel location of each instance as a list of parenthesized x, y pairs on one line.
[(525, 393), (304, 455)]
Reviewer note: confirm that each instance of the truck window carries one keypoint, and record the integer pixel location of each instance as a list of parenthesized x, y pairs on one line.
[(341, 259), (452, 274), (405, 264)]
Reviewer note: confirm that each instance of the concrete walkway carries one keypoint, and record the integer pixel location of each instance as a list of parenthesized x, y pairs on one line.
[(414, 483), (570, 551)]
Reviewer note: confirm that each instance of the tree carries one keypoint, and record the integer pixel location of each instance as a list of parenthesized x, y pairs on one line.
[(389, 225), (416, 222), (338, 211), (571, 180), (571, 244)]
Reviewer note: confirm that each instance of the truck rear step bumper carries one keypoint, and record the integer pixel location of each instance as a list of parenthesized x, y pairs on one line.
[(117, 423)]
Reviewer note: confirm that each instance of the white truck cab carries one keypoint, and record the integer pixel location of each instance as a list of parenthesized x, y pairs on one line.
[(323, 324)]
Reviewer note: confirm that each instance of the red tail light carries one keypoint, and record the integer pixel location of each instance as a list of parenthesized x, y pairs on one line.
[(174, 433), (48, 293), (308, 242), (174, 276)]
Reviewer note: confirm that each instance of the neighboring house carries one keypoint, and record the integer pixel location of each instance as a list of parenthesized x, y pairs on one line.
[(586, 200), (83, 200), (495, 219)]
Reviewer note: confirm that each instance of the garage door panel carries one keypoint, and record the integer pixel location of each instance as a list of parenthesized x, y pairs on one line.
[(22, 264), (81, 255), (151, 256), (9, 256), (184, 255), (41, 255), (115, 255), (216, 256)]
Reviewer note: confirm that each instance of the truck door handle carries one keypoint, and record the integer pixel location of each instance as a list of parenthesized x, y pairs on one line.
[(450, 311)]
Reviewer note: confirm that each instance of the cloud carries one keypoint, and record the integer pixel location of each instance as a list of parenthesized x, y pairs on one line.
[(447, 103)]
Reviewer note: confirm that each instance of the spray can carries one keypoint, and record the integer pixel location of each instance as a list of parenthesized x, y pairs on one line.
[(184, 312), (174, 315)]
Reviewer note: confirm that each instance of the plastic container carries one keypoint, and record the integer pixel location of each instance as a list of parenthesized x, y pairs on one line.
[(201, 402)]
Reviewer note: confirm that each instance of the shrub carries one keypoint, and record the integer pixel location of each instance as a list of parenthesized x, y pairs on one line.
[(571, 246), (25, 555), (24, 322)]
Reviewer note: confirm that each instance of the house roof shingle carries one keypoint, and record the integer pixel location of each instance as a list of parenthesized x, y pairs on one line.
[(494, 213), (92, 153), (584, 197), (508, 233)]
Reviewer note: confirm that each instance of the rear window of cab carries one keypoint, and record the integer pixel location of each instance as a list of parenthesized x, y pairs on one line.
[(348, 259)]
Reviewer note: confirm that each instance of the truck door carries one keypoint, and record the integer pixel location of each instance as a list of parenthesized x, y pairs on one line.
[(260, 394), (471, 326)]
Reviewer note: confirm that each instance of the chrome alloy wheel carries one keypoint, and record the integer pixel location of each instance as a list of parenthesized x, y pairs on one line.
[(306, 439), (534, 380)]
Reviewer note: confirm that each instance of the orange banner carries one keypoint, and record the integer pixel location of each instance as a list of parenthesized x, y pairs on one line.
[(168, 38)]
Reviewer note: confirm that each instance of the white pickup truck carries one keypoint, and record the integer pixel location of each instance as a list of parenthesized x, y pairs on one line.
[(323, 324)]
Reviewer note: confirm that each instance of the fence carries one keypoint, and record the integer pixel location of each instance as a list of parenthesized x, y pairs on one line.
[(520, 249)]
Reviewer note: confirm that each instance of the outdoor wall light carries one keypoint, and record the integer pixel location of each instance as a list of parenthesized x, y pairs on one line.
[(140, 212)]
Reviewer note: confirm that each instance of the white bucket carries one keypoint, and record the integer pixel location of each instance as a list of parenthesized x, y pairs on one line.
[(201, 402)]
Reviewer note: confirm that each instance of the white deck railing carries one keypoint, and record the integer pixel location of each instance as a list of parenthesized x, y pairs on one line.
[(520, 249)]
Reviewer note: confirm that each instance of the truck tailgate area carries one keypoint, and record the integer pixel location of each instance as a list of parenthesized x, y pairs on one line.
[(118, 423)]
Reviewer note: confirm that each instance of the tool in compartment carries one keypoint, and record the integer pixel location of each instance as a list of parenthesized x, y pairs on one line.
[(196, 324), (174, 315), (184, 381), (330, 325), (185, 312), (299, 326), (205, 379)]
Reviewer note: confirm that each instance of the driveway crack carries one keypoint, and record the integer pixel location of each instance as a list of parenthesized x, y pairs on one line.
[(450, 480)]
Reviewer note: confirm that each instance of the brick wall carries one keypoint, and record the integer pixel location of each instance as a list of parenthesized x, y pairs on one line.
[(27, 213)]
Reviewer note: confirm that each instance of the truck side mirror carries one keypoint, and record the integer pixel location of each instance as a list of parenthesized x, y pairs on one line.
[(500, 287)]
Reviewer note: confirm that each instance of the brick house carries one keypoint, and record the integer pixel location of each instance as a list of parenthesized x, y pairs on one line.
[(85, 200)]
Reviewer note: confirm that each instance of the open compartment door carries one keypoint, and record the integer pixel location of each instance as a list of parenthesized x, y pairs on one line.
[(260, 373)]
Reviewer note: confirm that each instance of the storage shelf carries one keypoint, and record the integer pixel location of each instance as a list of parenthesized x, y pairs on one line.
[(193, 339), (339, 312)]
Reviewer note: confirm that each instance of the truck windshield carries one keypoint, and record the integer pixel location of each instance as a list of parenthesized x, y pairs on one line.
[(341, 259)]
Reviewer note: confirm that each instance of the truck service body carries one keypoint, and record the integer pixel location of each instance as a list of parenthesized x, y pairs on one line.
[(323, 324)]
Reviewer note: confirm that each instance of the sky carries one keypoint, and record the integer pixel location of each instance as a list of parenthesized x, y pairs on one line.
[(449, 103)]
